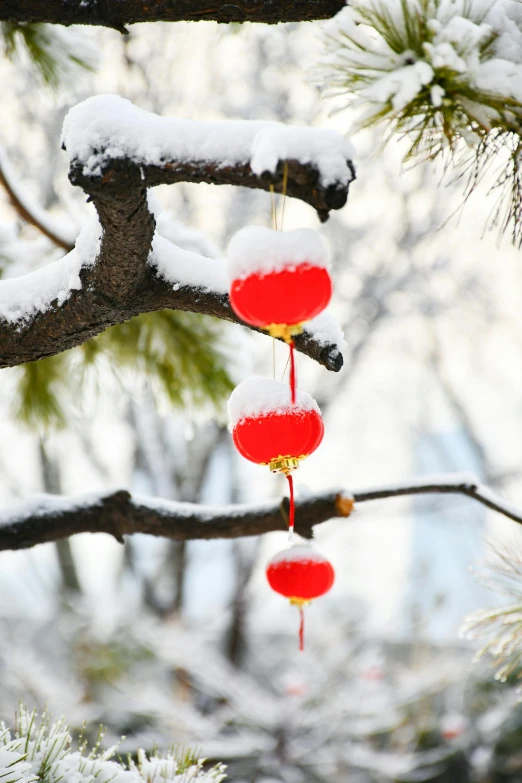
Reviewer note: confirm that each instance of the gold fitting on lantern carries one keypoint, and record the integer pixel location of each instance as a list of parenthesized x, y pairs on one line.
[(284, 331), (283, 464), (299, 601)]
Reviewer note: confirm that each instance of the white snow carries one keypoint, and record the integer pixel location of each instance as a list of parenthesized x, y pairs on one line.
[(184, 268), (298, 553), (256, 249), (23, 297), (260, 396), (179, 234), (43, 504), (479, 42), (202, 512), (106, 127), (41, 750), (325, 330)]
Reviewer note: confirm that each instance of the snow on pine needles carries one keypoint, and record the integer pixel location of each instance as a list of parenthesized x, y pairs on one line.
[(500, 628), (40, 751), (437, 72)]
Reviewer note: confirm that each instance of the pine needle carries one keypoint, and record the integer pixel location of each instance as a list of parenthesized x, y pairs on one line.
[(410, 67)]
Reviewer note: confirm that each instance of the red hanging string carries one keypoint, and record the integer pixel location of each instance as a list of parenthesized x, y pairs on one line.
[(292, 371), (301, 628), (291, 515)]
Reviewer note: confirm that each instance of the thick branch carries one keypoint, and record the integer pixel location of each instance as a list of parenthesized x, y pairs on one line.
[(123, 276), (118, 13), (51, 518), (303, 180)]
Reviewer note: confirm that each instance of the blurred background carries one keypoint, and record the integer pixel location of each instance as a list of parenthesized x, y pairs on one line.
[(168, 642)]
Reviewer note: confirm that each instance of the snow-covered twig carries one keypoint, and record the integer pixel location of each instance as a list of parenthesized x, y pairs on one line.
[(48, 517), (118, 13)]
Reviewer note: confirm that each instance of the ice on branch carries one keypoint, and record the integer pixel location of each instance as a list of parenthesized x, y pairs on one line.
[(40, 751), (107, 127), (257, 249), (21, 298), (260, 396)]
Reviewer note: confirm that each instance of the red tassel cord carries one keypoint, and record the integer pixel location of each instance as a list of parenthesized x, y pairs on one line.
[(291, 515), (301, 628), (292, 371)]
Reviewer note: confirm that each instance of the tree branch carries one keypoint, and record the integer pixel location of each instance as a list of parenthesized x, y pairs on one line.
[(118, 13), (50, 518), (127, 275), (28, 210)]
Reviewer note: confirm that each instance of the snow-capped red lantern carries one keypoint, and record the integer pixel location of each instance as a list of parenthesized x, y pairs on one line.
[(278, 279), (300, 574), (269, 429), (272, 427)]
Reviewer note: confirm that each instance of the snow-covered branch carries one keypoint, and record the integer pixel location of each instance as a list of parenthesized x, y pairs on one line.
[(115, 146), (49, 517), (118, 13), (121, 267)]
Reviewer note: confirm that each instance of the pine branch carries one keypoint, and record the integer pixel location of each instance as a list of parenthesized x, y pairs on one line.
[(50, 518), (119, 281), (118, 13)]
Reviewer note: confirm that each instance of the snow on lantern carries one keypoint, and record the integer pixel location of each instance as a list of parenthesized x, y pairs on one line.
[(300, 574), (278, 279), (270, 428)]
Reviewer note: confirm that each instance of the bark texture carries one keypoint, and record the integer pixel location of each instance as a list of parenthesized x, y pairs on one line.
[(118, 13)]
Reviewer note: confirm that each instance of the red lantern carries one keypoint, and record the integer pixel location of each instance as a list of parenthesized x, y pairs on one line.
[(269, 429), (278, 280), (300, 574)]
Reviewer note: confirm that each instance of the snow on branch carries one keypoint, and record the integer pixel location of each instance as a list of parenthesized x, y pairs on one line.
[(118, 13), (114, 143), (122, 267), (49, 518)]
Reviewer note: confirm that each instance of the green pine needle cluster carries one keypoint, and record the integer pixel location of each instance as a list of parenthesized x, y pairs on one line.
[(42, 387), (40, 750), (438, 74), (53, 53), (500, 628), (179, 354)]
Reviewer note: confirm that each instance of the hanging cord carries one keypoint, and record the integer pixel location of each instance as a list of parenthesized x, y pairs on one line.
[(301, 628), (274, 224), (273, 207), (291, 514), (292, 370), (283, 193)]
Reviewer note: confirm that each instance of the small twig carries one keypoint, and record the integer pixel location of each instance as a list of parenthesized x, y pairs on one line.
[(23, 209)]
